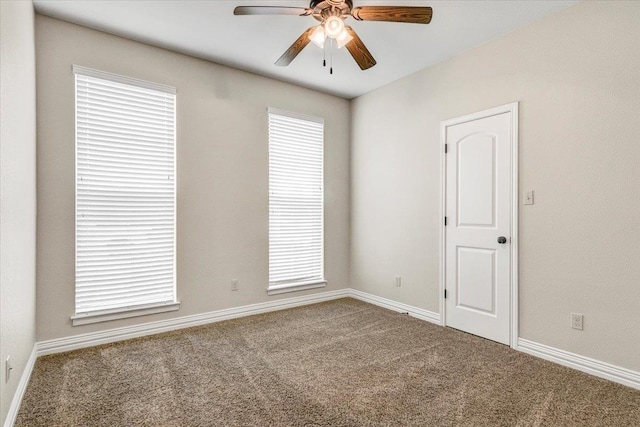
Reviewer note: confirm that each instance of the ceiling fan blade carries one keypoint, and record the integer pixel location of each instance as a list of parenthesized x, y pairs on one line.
[(415, 15), (359, 51), (295, 48), (271, 10)]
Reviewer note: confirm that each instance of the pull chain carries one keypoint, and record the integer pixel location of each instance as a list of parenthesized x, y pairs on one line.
[(331, 57), (324, 57)]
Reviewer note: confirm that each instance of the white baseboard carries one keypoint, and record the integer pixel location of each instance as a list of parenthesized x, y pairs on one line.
[(419, 313), (91, 339), (22, 387), (581, 363)]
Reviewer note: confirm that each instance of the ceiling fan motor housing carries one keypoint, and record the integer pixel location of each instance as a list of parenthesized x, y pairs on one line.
[(325, 8)]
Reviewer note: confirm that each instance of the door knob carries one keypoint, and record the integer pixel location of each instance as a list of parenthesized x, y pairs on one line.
[(502, 240)]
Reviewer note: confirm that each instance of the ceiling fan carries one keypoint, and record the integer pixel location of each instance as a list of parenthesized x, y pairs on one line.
[(332, 14)]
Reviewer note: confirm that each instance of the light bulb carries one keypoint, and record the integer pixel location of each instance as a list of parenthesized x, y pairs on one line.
[(317, 36), (333, 26), (344, 38)]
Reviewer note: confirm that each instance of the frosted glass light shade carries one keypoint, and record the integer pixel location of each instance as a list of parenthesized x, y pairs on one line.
[(333, 26), (343, 38), (318, 36)]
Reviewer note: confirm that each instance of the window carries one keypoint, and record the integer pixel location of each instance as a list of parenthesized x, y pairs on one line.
[(295, 202), (125, 197)]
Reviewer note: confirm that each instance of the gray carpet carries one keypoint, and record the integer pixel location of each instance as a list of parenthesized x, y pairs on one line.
[(340, 363)]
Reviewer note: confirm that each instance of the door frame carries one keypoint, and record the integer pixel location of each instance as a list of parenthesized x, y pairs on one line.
[(515, 201)]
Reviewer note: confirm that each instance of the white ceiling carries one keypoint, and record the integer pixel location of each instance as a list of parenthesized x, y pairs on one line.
[(209, 30)]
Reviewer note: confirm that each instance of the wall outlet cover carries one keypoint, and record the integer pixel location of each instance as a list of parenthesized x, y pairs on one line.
[(577, 321), (8, 368)]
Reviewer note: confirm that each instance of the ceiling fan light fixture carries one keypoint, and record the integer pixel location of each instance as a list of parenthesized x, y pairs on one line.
[(333, 26), (343, 39), (318, 36)]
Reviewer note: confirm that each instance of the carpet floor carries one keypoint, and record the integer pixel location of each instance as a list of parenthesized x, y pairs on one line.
[(339, 363)]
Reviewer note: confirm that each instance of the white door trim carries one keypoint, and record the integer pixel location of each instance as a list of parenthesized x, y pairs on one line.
[(508, 108)]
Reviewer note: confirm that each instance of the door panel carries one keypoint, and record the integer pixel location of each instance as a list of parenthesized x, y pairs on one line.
[(476, 183), (478, 196), (476, 280)]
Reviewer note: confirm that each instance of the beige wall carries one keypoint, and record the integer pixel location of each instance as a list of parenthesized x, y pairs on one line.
[(222, 173), (17, 193), (577, 77)]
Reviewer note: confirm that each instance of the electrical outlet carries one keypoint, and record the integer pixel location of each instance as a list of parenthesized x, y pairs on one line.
[(576, 321), (235, 284), (7, 368), (398, 281)]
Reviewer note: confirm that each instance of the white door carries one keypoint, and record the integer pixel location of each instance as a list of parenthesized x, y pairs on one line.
[(478, 206)]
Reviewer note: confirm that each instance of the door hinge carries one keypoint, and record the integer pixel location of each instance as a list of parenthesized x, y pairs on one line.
[(445, 220), (445, 148), (445, 294)]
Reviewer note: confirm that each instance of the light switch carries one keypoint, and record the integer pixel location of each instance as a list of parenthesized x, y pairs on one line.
[(528, 198)]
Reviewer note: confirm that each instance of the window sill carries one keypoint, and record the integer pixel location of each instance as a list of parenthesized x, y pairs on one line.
[(293, 287), (122, 313)]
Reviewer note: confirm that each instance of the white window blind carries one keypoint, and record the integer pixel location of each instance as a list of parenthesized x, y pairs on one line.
[(125, 193), (295, 199)]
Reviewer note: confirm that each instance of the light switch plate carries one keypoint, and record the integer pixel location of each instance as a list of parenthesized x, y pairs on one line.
[(528, 198)]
